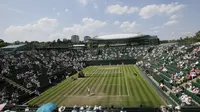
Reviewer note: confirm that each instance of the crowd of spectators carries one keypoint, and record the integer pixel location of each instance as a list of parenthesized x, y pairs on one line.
[(173, 66), (26, 67), (193, 89), (113, 53)]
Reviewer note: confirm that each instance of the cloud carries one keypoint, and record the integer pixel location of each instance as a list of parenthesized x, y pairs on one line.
[(38, 31), (152, 10), (170, 22), (58, 13), (66, 10), (17, 11), (156, 31), (116, 23), (88, 26), (186, 33), (119, 10), (129, 26), (84, 2), (95, 5), (57, 35), (156, 27), (173, 17), (47, 29), (7, 7)]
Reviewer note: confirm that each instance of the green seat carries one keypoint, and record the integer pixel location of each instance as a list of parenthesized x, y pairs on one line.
[(195, 97), (164, 77), (198, 80), (157, 77), (166, 74), (175, 98), (196, 84), (167, 84)]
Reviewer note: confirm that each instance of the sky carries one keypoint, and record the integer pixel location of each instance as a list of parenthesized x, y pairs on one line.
[(47, 20)]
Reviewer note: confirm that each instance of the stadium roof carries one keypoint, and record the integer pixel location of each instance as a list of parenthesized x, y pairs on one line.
[(79, 45), (167, 44), (117, 36), (15, 47), (12, 46)]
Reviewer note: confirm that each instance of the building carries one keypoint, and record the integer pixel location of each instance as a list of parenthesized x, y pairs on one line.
[(86, 38), (75, 38), (123, 39)]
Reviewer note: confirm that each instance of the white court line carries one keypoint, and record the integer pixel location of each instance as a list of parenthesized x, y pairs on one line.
[(104, 77), (109, 84), (102, 81), (95, 70), (100, 96), (108, 74)]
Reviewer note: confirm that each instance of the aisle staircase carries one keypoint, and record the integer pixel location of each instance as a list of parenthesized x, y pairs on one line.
[(17, 85)]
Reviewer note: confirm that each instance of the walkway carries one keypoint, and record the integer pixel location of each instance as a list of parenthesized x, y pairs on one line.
[(17, 85)]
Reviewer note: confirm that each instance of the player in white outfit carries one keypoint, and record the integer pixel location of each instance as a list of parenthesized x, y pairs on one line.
[(88, 89)]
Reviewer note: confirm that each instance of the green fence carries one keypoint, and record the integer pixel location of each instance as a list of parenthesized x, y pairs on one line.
[(110, 62)]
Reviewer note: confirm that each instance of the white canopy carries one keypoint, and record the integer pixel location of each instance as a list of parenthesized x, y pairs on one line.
[(117, 36)]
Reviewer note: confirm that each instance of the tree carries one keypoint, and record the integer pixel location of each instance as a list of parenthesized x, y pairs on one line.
[(59, 41), (17, 42), (64, 40), (1, 40), (3, 44), (197, 34)]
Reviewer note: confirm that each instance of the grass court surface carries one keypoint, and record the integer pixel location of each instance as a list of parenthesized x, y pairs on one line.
[(120, 85)]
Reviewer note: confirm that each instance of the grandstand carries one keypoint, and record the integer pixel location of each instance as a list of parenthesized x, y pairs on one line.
[(164, 77)]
